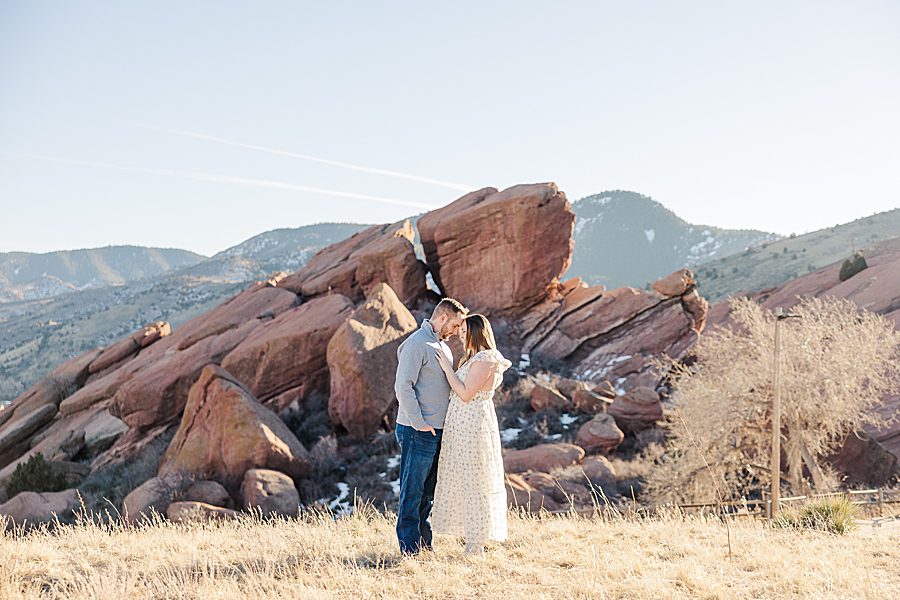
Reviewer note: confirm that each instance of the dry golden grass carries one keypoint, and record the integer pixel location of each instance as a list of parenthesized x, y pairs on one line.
[(356, 557)]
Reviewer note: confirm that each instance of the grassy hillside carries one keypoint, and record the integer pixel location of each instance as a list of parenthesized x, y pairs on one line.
[(626, 238), (356, 557), (776, 262)]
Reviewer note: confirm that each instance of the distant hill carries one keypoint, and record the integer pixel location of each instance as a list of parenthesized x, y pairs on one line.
[(27, 276), (39, 333), (773, 263), (626, 238)]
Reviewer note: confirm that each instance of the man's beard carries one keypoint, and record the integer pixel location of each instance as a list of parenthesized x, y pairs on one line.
[(446, 331)]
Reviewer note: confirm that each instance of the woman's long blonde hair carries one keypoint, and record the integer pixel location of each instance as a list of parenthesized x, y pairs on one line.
[(479, 336)]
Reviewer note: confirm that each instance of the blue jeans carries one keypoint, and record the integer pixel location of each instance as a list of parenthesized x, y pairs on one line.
[(419, 452)]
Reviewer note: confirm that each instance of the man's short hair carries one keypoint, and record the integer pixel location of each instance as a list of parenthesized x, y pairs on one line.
[(450, 306)]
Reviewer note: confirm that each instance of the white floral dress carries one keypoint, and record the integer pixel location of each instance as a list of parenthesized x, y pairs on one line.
[(470, 497)]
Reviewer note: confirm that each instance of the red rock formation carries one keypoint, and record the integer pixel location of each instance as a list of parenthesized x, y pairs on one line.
[(500, 252), (522, 495), (599, 471), (600, 435), (543, 457), (148, 499), (156, 394), (130, 346), (288, 352), (638, 409), (613, 334), (380, 254), (545, 397), (270, 492), (362, 360), (31, 509), (187, 511), (225, 431), (62, 381), (208, 492)]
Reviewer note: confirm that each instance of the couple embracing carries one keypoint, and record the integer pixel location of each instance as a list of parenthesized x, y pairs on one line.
[(451, 467)]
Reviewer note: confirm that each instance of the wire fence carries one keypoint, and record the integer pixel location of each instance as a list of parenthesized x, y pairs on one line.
[(872, 502)]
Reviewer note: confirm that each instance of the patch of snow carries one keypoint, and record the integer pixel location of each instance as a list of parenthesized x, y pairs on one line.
[(554, 437), (581, 223), (619, 390), (566, 419), (524, 361), (509, 435), (650, 234), (340, 504), (393, 461), (522, 421), (431, 285), (395, 486)]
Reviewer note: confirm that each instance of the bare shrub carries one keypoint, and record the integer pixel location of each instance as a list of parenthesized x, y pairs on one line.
[(837, 362)]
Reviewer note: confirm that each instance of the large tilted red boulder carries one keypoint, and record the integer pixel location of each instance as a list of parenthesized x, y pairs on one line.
[(382, 253), (225, 431), (362, 360), (502, 252), (288, 352)]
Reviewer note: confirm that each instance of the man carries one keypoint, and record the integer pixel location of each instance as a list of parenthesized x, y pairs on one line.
[(423, 394)]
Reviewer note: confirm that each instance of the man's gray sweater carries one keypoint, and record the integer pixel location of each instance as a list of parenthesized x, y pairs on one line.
[(421, 385)]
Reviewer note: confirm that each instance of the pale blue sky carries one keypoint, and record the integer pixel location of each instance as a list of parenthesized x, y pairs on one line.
[(780, 116)]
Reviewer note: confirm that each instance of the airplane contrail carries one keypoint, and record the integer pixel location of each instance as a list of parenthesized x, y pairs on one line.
[(211, 138), (214, 178)]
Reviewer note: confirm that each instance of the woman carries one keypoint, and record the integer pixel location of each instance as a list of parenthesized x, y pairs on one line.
[(470, 497)]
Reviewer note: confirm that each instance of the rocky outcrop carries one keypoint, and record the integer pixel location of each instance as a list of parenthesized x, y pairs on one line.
[(599, 471), (288, 352), (225, 431), (53, 389), (208, 492), (379, 254), (130, 346), (270, 492), (543, 457), (19, 431), (546, 397), (636, 410), (30, 508), (600, 435), (149, 499), (518, 242), (520, 495), (189, 511), (156, 394), (362, 361), (614, 334)]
